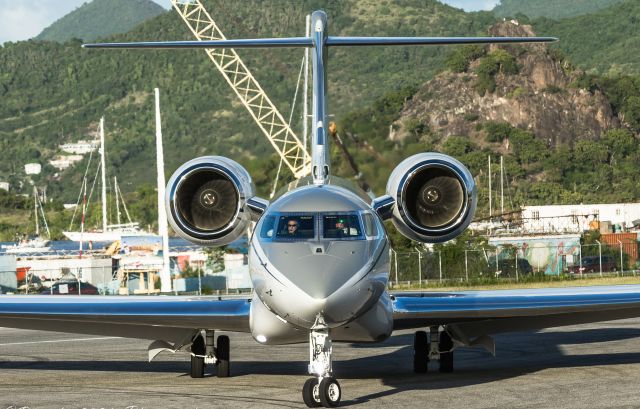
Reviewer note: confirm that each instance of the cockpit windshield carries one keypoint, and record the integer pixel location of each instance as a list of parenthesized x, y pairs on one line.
[(297, 226), (341, 226)]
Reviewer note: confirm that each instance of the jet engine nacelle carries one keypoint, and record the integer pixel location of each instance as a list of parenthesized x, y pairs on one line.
[(435, 197), (206, 200)]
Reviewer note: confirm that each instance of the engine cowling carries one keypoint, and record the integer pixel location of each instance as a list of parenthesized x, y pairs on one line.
[(435, 197), (206, 200)]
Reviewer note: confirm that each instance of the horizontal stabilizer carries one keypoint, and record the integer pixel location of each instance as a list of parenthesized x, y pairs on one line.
[(330, 42), (243, 43), (362, 41)]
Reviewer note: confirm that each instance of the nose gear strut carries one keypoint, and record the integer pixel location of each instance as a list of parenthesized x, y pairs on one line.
[(323, 389)]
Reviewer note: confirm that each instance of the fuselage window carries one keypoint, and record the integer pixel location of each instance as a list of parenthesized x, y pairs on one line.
[(267, 227), (296, 227), (341, 226), (369, 225)]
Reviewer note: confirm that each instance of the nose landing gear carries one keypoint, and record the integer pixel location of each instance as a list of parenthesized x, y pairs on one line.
[(323, 389)]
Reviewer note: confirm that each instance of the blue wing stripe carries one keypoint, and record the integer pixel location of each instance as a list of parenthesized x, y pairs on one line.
[(123, 306), (475, 304)]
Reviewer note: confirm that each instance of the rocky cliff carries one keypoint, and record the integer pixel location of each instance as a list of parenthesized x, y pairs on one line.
[(541, 93)]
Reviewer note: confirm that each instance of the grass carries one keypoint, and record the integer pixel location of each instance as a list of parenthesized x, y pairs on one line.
[(506, 284)]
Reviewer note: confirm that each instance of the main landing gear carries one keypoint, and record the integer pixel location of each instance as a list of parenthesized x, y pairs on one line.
[(204, 352), (323, 389), (438, 345)]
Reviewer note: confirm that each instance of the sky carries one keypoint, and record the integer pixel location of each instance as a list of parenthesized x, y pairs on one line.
[(24, 19)]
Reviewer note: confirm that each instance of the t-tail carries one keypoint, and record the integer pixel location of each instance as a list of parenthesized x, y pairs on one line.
[(319, 41)]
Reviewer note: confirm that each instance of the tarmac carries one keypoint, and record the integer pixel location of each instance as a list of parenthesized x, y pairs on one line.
[(586, 366)]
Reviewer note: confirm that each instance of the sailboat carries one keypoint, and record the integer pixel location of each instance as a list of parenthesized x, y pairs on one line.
[(109, 233), (37, 243)]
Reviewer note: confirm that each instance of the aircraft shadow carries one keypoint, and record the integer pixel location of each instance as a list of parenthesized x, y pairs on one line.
[(517, 354)]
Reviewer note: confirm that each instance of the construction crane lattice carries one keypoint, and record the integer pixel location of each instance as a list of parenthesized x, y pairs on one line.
[(269, 119)]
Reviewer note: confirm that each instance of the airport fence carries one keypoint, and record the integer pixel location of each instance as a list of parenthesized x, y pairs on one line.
[(105, 280), (423, 267)]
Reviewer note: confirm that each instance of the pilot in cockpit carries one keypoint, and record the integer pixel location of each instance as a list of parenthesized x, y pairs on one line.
[(292, 228)]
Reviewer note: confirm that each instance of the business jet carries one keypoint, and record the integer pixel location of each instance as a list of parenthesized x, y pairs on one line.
[(319, 256)]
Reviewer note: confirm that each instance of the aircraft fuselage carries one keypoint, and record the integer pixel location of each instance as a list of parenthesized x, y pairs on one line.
[(320, 251)]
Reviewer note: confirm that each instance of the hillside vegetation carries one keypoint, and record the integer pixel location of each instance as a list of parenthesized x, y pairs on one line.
[(605, 42), (101, 18), (54, 93), (555, 9), (576, 140)]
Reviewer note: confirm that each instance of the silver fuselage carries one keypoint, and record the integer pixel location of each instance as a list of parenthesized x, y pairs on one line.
[(319, 272)]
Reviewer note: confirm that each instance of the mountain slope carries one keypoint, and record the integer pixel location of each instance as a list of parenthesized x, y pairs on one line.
[(56, 92), (101, 18), (555, 9), (605, 42)]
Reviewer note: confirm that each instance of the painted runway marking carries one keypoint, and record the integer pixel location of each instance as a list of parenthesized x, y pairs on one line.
[(57, 340)]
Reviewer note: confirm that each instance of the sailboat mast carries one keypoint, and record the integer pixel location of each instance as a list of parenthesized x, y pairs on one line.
[(104, 177), (502, 184), (115, 188), (84, 212), (490, 203), (35, 209)]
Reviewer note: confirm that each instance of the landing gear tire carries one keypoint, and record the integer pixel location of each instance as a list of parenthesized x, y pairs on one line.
[(420, 352), (197, 362), (222, 354), (311, 393), (446, 357), (330, 392)]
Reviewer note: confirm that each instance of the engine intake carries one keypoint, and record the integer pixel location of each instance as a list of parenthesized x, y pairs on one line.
[(207, 200), (435, 197)]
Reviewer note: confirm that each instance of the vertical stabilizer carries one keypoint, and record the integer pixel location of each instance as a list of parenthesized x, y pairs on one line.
[(319, 144)]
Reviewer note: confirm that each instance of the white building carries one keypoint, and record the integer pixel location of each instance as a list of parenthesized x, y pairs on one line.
[(4, 186), (80, 147), (32, 168), (63, 162), (578, 218)]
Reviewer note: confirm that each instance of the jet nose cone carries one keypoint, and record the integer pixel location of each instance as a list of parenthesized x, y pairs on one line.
[(324, 279)]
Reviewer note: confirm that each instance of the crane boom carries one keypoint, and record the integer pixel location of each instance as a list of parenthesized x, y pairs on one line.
[(269, 119)]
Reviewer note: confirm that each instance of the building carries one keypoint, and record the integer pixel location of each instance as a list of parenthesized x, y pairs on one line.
[(548, 254), (63, 162), (607, 218), (32, 168), (80, 147), (4, 186)]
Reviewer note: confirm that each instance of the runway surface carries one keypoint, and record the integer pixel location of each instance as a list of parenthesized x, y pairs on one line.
[(587, 366)]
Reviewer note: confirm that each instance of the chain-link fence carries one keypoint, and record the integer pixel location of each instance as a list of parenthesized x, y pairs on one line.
[(511, 262), (105, 280)]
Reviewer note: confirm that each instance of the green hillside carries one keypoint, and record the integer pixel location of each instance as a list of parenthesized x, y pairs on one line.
[(555, 9), (605, 42), (54, 93), (101, 18)]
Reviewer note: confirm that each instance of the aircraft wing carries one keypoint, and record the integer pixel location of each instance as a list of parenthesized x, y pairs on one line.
[(470, 315), (171, 319)]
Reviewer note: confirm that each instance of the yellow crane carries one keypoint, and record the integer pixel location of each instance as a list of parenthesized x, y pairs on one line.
[(286, 143)]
